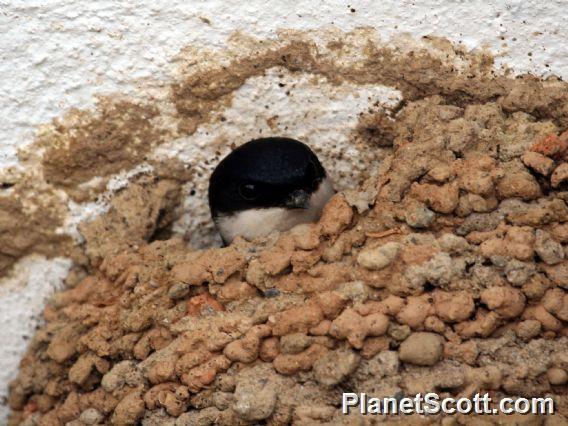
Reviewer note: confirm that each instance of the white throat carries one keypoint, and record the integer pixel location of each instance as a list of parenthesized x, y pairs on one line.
[(251, 224)]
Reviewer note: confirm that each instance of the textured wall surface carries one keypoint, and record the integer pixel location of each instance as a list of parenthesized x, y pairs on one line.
[(56, 55)]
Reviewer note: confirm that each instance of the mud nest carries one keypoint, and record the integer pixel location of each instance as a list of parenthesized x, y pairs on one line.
[(445, 273)]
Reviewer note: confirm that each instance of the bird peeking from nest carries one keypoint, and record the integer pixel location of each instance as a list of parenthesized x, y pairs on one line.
[(266, 185)]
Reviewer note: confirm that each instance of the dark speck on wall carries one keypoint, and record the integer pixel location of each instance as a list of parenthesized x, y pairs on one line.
[(205, 20)]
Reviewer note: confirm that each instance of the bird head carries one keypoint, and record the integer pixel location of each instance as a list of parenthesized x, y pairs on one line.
[(275, 180)]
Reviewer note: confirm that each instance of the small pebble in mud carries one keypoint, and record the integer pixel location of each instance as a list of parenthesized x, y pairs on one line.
[(179, 290), (549, 250), (255, 396), (518, 272), (421, 348), (398, 332), (418, 215), (91, 416), (379, 257), (271, 292), (557, 376), (336, 366)]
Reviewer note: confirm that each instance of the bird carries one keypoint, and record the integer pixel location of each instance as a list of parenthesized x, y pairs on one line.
[(266, 185)]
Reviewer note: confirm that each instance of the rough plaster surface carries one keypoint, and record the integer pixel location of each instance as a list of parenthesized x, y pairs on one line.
[(21, 304), (59, 54)]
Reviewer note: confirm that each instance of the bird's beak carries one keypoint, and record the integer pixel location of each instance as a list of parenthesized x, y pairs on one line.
[(299, 199)]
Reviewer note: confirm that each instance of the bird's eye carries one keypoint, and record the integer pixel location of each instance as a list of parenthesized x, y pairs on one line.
[(248, 191)]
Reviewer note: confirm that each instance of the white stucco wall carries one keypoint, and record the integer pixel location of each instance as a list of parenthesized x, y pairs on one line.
[(58, 54)]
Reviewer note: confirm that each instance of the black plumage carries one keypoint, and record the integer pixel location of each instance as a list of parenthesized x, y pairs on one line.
[(268, 172)]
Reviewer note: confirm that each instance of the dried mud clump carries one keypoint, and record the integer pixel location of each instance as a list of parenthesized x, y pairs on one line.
[(29, 218), (447, 272), (137, 214), (84, 145)]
